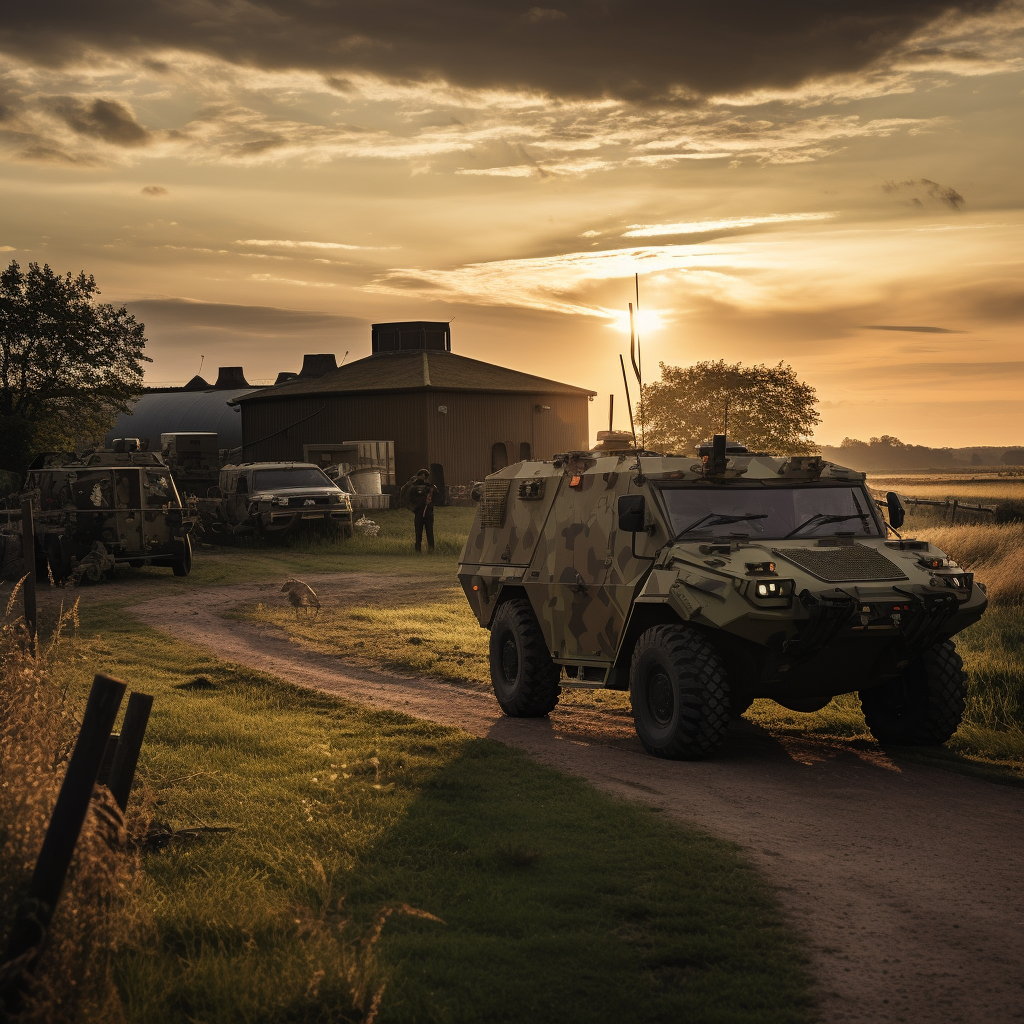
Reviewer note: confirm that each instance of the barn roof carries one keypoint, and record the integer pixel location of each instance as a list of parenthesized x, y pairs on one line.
[(417, 371)]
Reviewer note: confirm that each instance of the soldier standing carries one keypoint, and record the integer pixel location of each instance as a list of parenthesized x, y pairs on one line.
[(420, 496)]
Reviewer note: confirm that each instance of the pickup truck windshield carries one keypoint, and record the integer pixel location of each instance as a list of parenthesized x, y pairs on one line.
[(772, 513), (300, 476)]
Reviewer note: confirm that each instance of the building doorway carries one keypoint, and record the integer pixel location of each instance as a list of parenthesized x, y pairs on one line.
[(499, 456)]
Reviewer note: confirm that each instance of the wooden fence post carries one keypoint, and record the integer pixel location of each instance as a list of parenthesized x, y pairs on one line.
[(952, 518), (126, 756), (34, 915), (28, 554)]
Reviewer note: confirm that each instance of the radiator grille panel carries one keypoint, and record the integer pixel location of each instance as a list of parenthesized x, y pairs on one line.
[(493, 502), (844, 564)]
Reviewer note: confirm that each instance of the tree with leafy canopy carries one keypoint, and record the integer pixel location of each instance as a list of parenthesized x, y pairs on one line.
[(68, 363), (770, 409)]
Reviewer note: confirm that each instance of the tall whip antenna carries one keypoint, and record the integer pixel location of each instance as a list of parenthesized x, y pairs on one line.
[(629, 404), (635, 354)]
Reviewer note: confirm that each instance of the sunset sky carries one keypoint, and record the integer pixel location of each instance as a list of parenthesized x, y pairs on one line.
[(838, 186)]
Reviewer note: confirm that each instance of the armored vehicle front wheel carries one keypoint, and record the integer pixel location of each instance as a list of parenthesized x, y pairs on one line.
[(925, 706), (182, 564), (524, 677), (679, 692)]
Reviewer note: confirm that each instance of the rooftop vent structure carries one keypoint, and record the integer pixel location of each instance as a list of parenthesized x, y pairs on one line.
[(230, 377), (411, 335), (197, 383), (317, 365)]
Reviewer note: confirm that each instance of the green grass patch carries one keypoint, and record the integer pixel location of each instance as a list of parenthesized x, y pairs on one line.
[(556, 901)]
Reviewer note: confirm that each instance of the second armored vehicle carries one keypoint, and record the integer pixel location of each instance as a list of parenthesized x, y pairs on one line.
[(700, 584), (106, 508)]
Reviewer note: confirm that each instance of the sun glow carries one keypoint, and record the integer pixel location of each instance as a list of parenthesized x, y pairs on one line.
[(646, 320)]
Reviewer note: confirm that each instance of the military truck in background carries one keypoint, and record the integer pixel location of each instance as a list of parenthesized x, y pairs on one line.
[(273, 499), (101, 509), (702, 583)]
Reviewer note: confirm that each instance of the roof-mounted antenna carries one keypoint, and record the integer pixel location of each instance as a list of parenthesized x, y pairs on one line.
[(635, 354), (343, 358), (629, 404), (201, 360)]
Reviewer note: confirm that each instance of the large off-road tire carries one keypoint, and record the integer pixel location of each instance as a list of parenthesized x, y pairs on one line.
[(524, 677), (925, 706), (679, 692), (182, 564)]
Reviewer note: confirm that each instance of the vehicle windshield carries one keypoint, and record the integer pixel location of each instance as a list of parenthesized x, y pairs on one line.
[(769, 513), (299, 476)]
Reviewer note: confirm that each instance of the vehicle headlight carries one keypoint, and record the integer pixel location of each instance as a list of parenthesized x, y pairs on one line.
[(772, 588), (772, 593), (262, 497), (281, 501), (962, 582)]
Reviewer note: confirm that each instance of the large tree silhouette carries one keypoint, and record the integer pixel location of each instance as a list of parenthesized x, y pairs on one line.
[(770, 409), (68, 363)]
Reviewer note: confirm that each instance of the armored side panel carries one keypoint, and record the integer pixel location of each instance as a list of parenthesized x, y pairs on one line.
[(514, 506)]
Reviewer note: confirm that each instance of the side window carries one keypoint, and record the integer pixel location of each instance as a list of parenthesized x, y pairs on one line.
[(93, 490), (158, 488), (499, 456), (128, 488), (241, 487), (524, 451)]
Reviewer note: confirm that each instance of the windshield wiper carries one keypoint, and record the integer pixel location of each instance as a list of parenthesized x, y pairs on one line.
[(822, 518), (717, 519)]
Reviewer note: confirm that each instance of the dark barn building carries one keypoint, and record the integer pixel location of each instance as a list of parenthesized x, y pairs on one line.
[(461, 418)]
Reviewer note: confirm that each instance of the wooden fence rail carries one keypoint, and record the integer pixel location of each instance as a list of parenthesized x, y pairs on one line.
[(34, 915)]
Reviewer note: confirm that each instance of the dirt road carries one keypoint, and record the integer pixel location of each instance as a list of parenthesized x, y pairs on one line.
[(907, 880)]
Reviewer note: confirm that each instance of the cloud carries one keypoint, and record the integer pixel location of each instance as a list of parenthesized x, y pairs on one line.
[(287, 243), (185, 318), (700, 227), (656, 50), (922, 192), (103, 119), (270, 279), (155, 191), (915, 330)]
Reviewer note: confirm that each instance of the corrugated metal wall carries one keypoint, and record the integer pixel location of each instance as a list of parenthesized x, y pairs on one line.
[(460, 439)]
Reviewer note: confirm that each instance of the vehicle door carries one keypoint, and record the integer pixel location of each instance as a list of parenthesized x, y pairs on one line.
[(93, 493), (603, 564), (128, 502), (158, 495)]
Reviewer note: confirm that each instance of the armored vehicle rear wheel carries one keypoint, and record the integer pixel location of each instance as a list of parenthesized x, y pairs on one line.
[(679, 692), (925, 706), (182, 564), (524, 677)]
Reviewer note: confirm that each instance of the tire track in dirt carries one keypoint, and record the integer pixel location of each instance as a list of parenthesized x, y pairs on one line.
[(906, 879)]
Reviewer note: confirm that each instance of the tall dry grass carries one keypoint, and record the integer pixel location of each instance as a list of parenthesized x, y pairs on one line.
[(72, 979), (995, 554)]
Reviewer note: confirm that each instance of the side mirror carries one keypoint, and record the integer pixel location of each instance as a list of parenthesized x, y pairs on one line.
[(632, 513), (897, 513)]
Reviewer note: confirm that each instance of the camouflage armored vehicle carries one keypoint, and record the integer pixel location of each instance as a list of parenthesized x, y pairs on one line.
[(700, 584), (105, 508), (271, 499)]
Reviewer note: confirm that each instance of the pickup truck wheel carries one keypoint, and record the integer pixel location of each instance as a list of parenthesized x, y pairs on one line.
[(524, 677), (182, 564), (925, 706), (679, 692)]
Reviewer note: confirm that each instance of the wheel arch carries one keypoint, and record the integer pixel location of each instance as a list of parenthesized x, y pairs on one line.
[(642, 617)]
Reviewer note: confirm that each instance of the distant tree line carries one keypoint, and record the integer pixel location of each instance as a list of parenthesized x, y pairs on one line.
[(68, 363)]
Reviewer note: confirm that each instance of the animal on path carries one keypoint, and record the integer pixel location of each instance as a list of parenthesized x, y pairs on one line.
[(301, 595)]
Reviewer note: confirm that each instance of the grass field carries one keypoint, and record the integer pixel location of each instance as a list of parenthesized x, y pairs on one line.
[(975, 488), (535, 896), (431, 630)]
